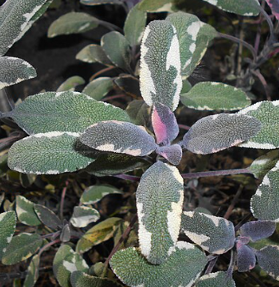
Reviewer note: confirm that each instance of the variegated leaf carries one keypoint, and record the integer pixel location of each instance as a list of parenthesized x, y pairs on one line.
[(160, 78), (213, 234), (194, 36), (119, 137), (220, 278), (159, 203), (98, 88), (164, 124), (218, 132), (274, 6), (25, 211), (7, 229), (71, 83), (48, 217), (83, 216), (157, 6), (245, 8), (183, 267), (171, 153), (14, 70), (64, 112), (246, 259), (267, 112), (32, 272)]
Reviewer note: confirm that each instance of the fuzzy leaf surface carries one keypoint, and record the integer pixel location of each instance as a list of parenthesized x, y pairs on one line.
[(7, 230), (185, 263), (71, 83), (160, 79), (65, 112), (83, 216), (246, 259), (32, 272), (213, 234), (14, 70), (25, 211), (159, 197), (218, 132), (98, 88), (171, 153), (194, 37), (219, 278), (48, 217), (119, 137)]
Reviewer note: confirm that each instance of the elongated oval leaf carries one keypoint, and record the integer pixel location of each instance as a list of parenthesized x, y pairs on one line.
[(25, 211), (50, 153), (7, 230), (72, 23), (274, 6), (98, 88), (32, 272), (159, 204), (171, 153), (21, 248), (215, 96), (83, 216), (221, 131), (216, 279), (48, 217), (182, 268), (71, 83), (213, 234), (160, 79), (65, 112), (119, 137), (245, 8), (14, 70), (246, 259)]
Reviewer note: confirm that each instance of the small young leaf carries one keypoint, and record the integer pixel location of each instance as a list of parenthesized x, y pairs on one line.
[(218, 132), (65, 112), (94, 54), (50, 153), (119, 137), (160, 79), (215, 96), (117, 49), (14, 70), (220, 278), (21, 248), (240, 7), (25, 211), (65, 234), (7, 230), (182, 268), (171, 153), (48, 217), (159, 203), (268, 259), (83, 216), (101, 232), (213, 234), (71, 83), (246, 259), (98, 88), (164, 124), (72, 23), (274, 6), (95, 193), (257, 230), (157, 6), (128, 84), (32, 272)]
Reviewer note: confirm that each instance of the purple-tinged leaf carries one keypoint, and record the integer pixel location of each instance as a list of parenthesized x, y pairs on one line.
[(218, 132), (274, 6), (172, 153), (268, 259), (257, 230), (246, 259), (119, 137), (164, 124)]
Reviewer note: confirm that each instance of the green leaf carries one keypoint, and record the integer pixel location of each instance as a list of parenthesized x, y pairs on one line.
[(48, 217), (117, 49), (128, 84), (25, 211), (213, 234), (72, 23), (215, 96), (21, 248), (264, 164), (32, 272), (240, 7), (94, 54), (100, 2), (16, 17), (186, 86), (50, 153), (81, 279), (134, 26), (194, 37), (220, 278), (14, 70), (160, 79), (157, 6), (99, 88), (7, 230), (182, 268), (71, 83), (101, 232), (95, 193), (159, 203), (139, 112), (63, 112), (83, 216), (268, 114), (65, 262)]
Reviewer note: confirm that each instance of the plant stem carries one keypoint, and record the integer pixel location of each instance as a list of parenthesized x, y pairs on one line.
[(101, 72), (211, 265), (63, 199), (231, 207), (48, 245)]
